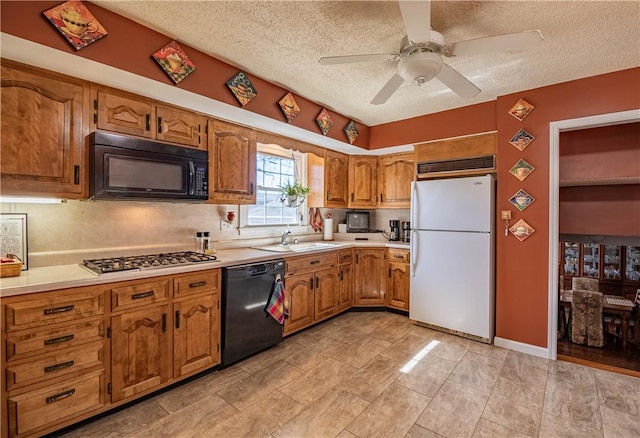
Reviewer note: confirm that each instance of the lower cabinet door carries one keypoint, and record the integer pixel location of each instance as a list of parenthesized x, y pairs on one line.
[(346, 286), (37, 409), (326, 293), (398, 286), (301, 303), (140, 351), (195, 337)]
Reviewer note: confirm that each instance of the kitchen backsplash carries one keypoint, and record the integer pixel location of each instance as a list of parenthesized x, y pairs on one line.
[(67, 233)]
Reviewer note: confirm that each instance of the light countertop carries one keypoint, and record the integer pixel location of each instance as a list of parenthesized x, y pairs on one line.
[(67, 276)]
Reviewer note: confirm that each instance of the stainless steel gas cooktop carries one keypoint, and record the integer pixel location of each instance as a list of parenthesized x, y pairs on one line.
[(144, 262)]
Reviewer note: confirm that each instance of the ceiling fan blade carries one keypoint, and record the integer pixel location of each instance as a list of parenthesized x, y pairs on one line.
[(389, 88), (417, 20), (499, 43), (349, 59), (460, 85)]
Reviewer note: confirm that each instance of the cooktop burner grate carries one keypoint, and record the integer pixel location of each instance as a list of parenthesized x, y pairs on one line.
[(143, 262)]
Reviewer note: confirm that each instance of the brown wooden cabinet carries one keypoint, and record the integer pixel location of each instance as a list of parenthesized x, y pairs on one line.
[(395, 173), (134, 115), (42, 148), (370, 277), (336, 181), (363, 182), (232, 163), (196, 334), (313, 288), (345, 259), (53, 358), (398, 278)]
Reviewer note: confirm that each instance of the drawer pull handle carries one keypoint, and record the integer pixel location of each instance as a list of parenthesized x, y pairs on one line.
[(198, 284), (60, 396), (58, 340), (398, 256), (58, 366), (58, 310), (177, 318), (142, 295), (315, 262)]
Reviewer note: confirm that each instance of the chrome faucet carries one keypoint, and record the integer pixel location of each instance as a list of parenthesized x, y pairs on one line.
[(283, 238)]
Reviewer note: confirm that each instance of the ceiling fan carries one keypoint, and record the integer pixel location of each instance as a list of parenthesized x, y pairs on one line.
[(422, 50)]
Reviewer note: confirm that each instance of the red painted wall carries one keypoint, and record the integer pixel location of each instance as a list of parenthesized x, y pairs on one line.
[(522, 267), (129, 46)]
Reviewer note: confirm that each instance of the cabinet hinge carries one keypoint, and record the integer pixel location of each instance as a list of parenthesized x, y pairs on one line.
[(95, 118), (108, 332), (109, 388), (76, 174)]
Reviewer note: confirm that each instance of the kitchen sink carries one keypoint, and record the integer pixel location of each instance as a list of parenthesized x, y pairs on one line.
[(299, 247)]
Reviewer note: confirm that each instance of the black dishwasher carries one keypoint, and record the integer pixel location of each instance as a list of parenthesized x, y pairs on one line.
[(246, 327)]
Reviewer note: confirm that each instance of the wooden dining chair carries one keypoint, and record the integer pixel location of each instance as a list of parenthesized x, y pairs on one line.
[(586, 318), (633, 332)]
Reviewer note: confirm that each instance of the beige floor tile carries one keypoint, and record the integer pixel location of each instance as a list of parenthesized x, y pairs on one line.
[(313, 384), (451, 347), (619, 392), (190, 421), (326, 417), (519, 417), (617, 424), (571, 374), (477, 371), (420, 432), (371, 380), (265, 415), (393, 331), (346, 434), (242, 394), (531, 396), (270, 356), (427, 375), (523, 370), (410, 346), (489, 350), (312, 355), (488, 429), (577, 404), (553, 426), (391, 414), (359, 353), (122, 423), (454, 412)]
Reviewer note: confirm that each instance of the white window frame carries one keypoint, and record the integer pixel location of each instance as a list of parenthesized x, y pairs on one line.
[(276, 230)]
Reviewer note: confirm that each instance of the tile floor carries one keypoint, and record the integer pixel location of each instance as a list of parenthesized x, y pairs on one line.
[(374, 374)]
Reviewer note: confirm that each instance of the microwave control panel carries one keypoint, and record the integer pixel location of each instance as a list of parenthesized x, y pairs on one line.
[(202, 181)]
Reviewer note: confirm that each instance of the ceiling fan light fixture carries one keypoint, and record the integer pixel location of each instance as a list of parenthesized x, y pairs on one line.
[(420, 67)]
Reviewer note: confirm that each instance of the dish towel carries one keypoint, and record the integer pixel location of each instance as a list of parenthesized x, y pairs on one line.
[(277, 306)]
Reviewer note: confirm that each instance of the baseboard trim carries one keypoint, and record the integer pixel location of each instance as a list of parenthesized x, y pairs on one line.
[(533, 350)]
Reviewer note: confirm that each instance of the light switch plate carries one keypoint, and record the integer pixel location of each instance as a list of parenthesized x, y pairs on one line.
[(506, 214)]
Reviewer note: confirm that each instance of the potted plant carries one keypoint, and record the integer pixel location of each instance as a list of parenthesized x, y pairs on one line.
[(293, 195)]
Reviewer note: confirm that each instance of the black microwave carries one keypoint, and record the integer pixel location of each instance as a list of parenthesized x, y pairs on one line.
[(124, 167)]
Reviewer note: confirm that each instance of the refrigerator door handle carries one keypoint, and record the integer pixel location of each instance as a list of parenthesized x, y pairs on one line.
[(413, 251)]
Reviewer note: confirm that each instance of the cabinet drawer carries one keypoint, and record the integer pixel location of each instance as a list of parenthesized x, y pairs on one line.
[(206, 281), (311, 262), (57, 308), (345, 256), (54, 365), (397, 255), (35, 341), (139, 294), (35, 409)]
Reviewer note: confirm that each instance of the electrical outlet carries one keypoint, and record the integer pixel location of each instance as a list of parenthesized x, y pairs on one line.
[(506, 214), (225, 225)]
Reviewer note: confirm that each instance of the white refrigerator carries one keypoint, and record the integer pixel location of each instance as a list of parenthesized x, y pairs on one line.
[(452, 282)]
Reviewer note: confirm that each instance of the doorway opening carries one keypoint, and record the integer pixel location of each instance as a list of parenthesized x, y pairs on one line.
[(613, 356)]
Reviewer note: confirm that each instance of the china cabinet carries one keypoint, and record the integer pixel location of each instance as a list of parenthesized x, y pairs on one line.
[(616, 266)]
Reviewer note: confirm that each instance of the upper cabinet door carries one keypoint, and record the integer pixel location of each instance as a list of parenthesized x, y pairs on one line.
[(336, 169), (180, 126), (363, 181), (42, 133), (127, 115), (395, 173), (232, 163)]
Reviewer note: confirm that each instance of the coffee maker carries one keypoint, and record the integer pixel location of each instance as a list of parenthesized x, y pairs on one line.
[(406, 231), (395, 230)]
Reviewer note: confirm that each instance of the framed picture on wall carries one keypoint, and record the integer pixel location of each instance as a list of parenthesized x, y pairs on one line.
[(13, 236)]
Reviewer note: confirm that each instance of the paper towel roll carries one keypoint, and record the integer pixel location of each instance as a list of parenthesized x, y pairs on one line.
[(328, 229)]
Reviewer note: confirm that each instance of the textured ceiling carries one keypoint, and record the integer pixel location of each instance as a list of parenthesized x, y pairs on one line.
[(281, 42)]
